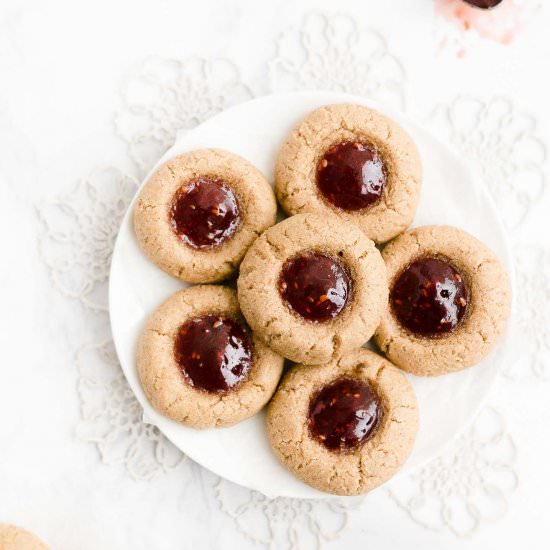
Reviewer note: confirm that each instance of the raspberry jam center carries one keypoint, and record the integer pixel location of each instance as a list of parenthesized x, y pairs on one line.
[(213, 352), (204, 212), (316, 286), (344, 414), (351, 175), (430, 297)]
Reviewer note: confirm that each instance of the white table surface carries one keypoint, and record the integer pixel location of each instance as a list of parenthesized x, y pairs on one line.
[(90, 94)]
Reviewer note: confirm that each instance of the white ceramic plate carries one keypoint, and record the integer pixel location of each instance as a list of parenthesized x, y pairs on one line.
[(255, 130)]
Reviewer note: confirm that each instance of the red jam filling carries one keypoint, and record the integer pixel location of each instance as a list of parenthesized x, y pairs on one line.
[(344, 414), (213, 352), (316, 286), (351, 175), (430, 297), (204, 212)]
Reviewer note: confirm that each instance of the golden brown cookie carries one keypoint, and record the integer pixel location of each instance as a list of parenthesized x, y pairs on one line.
[(345, 427), (199, 212), (313, 287), (16, 538), (200, 365), (352, 162), (449, 301)]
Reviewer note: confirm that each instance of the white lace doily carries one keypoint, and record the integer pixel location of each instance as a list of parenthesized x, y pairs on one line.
[(473, 482)]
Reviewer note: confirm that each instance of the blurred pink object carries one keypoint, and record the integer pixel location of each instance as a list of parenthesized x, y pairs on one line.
[(500, 24)]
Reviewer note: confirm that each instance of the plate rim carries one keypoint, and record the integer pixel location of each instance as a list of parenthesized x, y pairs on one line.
[(387, 111)]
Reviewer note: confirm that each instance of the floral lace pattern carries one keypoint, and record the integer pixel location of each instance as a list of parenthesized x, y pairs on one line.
[(468, 485), (533, 323), (462, 488), (284, 523), (79, 231), (112, 417), (334, 53), (169, 95), (502, 142)]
